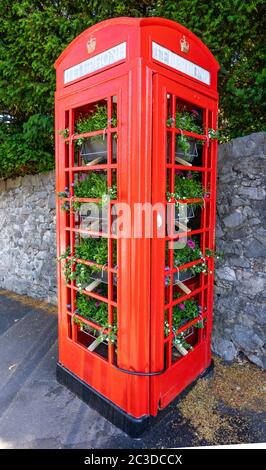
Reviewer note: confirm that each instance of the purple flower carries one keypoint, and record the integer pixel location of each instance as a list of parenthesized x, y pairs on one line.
[(189, 175), (97, 304), (182, 306), (69, 306), (179, 172), (191, 244), (195, 113)]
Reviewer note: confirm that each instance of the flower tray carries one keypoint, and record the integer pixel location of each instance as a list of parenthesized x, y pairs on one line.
[(95, 148), (102, 276), (190, 155), (183, 275)]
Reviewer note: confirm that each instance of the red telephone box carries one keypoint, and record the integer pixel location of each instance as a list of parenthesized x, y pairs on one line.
[(136, 110)]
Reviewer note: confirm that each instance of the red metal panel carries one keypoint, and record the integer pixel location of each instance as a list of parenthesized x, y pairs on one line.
[(178, 375)]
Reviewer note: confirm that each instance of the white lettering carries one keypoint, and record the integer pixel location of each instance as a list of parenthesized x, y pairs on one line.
[(165, 56), (98, 62)]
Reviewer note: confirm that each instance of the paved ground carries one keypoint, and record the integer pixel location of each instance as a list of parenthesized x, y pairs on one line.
[(37, 412)]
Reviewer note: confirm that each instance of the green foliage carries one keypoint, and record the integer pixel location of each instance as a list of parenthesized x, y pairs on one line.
[(183, 143), (64, 133), (93, 186), (93, 249), (27, 148), (78, 272), (90, 249), (92, 309), (233, 31), (33, 34), (187, 121), (95, 121), (191, 252), (183, 312), (96, 311), (186, 188)]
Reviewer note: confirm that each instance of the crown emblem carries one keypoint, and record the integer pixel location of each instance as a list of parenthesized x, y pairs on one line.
[(184, 45), (91, 45)]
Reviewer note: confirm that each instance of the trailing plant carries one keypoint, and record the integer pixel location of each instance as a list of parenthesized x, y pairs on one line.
[(183, 313), (92, 309), (190, 310), (96, 311), (96, 120), (101, 335), (93, 185), (217, 135), (187, 121), (191, 252), (179, 340), (64, 133), (187, 188), (93, 249), (90, 249), (184, 144), (79, 272)]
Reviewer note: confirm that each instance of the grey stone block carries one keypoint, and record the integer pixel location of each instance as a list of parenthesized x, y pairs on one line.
[(235, 219)]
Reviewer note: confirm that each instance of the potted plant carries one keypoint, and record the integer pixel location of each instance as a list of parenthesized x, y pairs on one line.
[(97, 312), (186, 147), (88, 249), (186, 187), (183, 312), (191, 252), (93, 150), (92, 185)]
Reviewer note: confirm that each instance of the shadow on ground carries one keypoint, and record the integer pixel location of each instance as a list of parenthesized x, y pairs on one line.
[(37, 412)]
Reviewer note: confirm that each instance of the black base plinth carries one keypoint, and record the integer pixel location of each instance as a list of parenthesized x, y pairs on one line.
[(134, 427)]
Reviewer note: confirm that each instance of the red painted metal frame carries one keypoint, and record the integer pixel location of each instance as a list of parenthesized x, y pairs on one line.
[(182, 372), (140, 84)]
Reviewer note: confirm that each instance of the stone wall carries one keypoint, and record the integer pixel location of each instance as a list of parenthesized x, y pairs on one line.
[(27, 236), (240, 304)]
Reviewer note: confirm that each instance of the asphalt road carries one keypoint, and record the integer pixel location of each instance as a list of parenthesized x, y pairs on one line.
[(37, 412)]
